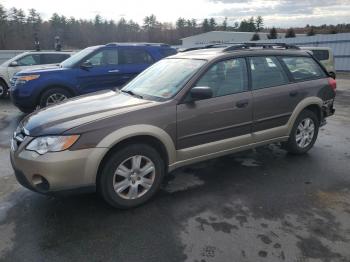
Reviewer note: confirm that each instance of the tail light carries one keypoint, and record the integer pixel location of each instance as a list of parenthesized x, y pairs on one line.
[(332, 83)]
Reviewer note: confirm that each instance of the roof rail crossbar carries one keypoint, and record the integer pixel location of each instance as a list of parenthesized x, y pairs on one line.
[(136, 43), (262, 45)]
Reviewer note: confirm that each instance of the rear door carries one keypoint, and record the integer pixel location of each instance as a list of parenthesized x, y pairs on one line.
[(226, 115), (274, 97), (132, 61), (104, 71)]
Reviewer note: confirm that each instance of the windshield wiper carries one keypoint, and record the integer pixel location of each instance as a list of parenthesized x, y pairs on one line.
[(131, 93)]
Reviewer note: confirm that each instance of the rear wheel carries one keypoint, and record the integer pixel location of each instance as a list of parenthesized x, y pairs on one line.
[(131, 176), (304, 133), (53, 96), (3, 89)]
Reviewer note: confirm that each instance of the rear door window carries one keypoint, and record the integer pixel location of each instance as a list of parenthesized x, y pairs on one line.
[(129, 56), (53, 58), (303, 68), (266, 72)]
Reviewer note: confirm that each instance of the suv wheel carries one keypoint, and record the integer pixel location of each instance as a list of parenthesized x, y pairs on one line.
[(304, 133), (53, 96), (3, 89), (131, 176)]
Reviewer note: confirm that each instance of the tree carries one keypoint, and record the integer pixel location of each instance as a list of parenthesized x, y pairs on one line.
[(290, 33), (311, 32), (224, 24), (273, 33), (212, 24), (247, 26), (205, 25), (259, 23), (255, 37)]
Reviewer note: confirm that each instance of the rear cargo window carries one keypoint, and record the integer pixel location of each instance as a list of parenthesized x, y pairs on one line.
[(303, 68)]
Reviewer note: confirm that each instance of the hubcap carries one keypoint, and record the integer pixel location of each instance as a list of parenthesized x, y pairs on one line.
[(305, 133), (134, 177), (55, 98)]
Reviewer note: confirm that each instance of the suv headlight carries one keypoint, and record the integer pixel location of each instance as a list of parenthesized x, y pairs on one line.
[(26, 78), (45, 144)]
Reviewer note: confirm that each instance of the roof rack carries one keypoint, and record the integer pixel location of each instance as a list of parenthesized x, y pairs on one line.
[(136, 44), (260, 45)]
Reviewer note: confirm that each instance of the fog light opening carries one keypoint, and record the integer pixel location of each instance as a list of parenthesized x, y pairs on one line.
[(40, 183)]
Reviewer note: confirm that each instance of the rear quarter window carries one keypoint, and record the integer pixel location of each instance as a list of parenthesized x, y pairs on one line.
[(303, 68), (321, 55)]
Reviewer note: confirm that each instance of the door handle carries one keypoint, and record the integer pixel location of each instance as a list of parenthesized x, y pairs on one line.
[(242, 103), (293, 93), (114, 71)]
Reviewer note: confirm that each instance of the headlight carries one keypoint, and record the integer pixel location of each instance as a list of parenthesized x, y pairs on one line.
[(45, 144), (26, 78)]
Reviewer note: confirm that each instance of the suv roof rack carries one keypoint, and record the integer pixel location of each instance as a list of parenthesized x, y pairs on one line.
[(137, 44), (239, 46), (260, 45)]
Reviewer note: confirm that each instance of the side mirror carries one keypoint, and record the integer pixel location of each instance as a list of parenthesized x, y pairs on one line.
[(13, 64), (201, 92), (86, 65)]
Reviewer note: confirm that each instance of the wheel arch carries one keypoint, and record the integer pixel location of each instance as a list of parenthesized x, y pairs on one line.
[(313, 104), (46, 88), (145, 134)]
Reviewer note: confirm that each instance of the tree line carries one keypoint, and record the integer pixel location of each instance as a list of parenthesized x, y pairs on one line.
[(19, 29)]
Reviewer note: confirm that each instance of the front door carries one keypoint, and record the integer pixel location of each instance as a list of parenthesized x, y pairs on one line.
[(103, 71), (226, 115)]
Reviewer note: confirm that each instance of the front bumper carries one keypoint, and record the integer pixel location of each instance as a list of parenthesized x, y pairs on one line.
[(61, 171)]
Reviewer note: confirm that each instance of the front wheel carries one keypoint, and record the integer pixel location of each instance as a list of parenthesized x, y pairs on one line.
[(131, 176), (304, 133), (53, 96)]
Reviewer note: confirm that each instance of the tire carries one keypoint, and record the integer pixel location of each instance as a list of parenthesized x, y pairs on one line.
[(3, 89), (296, 138), (60, 93), (126, 179)]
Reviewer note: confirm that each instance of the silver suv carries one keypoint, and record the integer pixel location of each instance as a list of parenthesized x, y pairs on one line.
[(26, 61), (184, 109)]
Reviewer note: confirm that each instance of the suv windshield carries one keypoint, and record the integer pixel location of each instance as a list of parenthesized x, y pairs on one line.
[(165, 78), (70, 62)]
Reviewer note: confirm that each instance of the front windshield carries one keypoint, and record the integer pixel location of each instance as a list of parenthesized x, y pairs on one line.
[(165, 78), (70, 62)]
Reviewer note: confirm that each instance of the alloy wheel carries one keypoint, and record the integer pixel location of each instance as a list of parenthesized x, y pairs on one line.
[(134, 177), (55, 98), (305, 132)]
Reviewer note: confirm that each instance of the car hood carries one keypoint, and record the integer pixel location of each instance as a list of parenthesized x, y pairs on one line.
[(74, 112)]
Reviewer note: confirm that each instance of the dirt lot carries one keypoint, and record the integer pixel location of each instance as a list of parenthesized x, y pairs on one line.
[(259, 205)]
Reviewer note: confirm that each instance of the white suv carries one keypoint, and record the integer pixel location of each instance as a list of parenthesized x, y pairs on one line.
[(28, 60)]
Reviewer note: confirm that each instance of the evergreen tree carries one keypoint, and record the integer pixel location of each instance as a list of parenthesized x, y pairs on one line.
[(255, 37), (259, 23), (290, 33), (273, 33)]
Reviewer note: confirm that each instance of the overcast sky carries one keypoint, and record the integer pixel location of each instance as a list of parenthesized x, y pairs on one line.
[(279, 13)]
